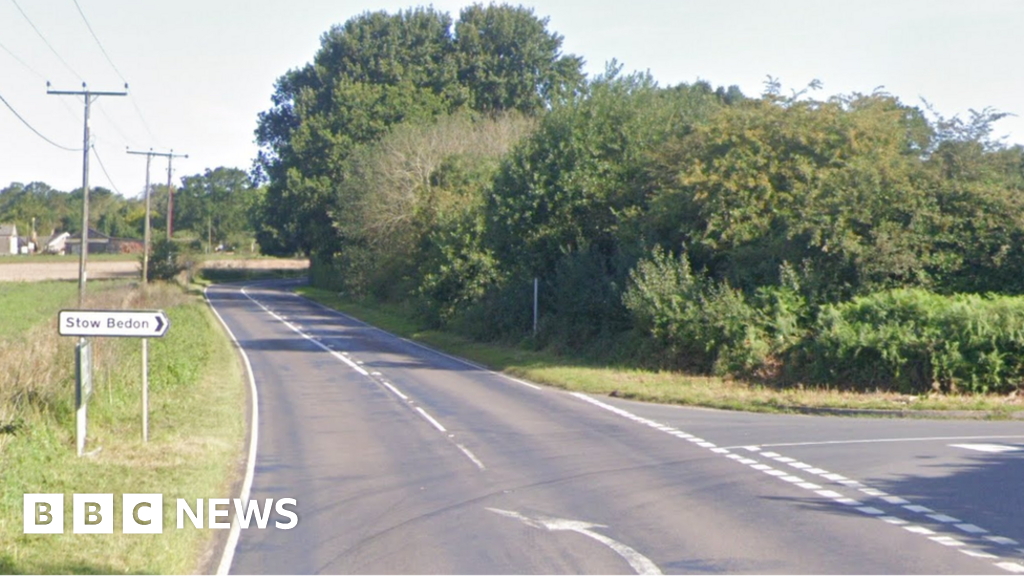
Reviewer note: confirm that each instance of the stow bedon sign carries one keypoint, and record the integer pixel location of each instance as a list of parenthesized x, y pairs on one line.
[(122, 323)]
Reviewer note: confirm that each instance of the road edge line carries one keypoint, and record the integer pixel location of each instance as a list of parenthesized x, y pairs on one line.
[(430, 349), (228, 556)]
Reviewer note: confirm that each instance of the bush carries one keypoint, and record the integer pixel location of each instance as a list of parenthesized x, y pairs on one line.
[(166, 261), (696, 322), (918, 341)]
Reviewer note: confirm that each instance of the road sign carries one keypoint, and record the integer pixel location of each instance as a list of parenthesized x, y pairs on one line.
[(123, 323)]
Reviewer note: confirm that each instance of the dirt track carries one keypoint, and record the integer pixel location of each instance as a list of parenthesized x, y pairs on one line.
[(13, 271)]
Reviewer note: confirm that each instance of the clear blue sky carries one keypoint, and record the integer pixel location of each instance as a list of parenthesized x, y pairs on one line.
[(200, 71)]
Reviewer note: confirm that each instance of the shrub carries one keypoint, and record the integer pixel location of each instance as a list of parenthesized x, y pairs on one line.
[(917, 341), (166, 260), (696, 322)]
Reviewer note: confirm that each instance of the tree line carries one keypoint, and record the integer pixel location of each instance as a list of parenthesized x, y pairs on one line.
[(212, 208), (853, 240)]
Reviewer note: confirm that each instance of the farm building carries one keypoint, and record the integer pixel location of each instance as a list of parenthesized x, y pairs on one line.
[(8, 239), (100, 243)]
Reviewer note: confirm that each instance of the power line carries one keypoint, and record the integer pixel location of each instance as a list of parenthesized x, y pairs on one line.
[(113, 124), (110, 61), (37, 133), (98, 43), (22, 62), (104, 169), (45, 41)]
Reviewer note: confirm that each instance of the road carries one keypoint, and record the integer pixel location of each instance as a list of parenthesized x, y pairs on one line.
[(404, 460)]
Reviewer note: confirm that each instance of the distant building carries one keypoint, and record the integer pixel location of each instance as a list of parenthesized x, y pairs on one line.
[(100, 243), (8, 239), (57, 243)]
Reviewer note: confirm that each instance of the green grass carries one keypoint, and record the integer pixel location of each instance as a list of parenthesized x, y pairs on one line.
[(569, 373), (197, 429), (27, 304)]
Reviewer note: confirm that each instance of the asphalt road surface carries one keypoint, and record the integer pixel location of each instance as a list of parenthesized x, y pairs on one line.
[(404, 460)]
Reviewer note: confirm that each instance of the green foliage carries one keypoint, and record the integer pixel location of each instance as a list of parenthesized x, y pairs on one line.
[(380, 70), (166, 261), (696, 322), (583, 175), (214, 206), (919, 341)]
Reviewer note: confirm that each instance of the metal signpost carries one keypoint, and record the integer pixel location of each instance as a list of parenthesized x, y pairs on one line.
[(83, 389), (109, 323)]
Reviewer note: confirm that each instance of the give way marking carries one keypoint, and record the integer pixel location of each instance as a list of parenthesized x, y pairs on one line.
[(640, 563), (992, 448)]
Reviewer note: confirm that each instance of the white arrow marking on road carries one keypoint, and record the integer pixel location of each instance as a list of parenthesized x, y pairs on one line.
[(640, 563)]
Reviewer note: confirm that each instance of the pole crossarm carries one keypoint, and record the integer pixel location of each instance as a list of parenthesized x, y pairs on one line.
[(90, 96)]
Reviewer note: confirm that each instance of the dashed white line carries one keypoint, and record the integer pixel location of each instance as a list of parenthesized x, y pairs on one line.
[(396, 391), (944, 540), (431, 419), (357, 366), (471, 456)]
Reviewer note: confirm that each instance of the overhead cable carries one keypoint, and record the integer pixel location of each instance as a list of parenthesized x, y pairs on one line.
[(45, 41), (30, 127)]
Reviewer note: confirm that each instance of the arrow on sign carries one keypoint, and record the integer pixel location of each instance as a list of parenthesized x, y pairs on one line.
[(116, 323)]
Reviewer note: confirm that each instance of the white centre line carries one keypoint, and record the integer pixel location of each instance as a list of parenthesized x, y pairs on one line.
[(375, 377), (431, 419)]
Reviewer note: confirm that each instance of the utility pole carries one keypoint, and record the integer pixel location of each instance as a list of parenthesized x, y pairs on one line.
[(145, 234), (90, 96), (170, 192)]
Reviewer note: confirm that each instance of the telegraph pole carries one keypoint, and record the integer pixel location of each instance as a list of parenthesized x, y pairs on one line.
[(145, 235), (90, 96), (170, 191)]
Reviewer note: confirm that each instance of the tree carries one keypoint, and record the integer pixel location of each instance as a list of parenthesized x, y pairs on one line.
[(380, 70), (510, 61), (214, 205)]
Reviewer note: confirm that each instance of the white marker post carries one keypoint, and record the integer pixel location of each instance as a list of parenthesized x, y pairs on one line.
[(143, 324)]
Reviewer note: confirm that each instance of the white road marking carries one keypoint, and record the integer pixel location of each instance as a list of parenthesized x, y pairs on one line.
[(991, 448), (421, 346), (396, 391), (972, 529), (228, 556), (946, 540), (882, 440), (431, 419), (356, 365), (839, 479), (637, 561), (471, 456), (979, 554)]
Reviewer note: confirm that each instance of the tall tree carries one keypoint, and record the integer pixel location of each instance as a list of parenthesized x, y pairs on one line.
[(510, 61), (376, 71), (213, 204)]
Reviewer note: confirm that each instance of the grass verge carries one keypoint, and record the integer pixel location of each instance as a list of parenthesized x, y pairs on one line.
[(545, 367), (197, 429)]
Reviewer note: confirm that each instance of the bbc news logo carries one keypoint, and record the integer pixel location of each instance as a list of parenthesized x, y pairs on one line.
[(143, 513)]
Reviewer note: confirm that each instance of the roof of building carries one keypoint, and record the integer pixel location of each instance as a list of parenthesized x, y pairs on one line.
[(8, 230)]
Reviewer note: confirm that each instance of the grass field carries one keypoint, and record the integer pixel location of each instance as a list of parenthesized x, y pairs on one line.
[(568, 373), (197, 429)]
